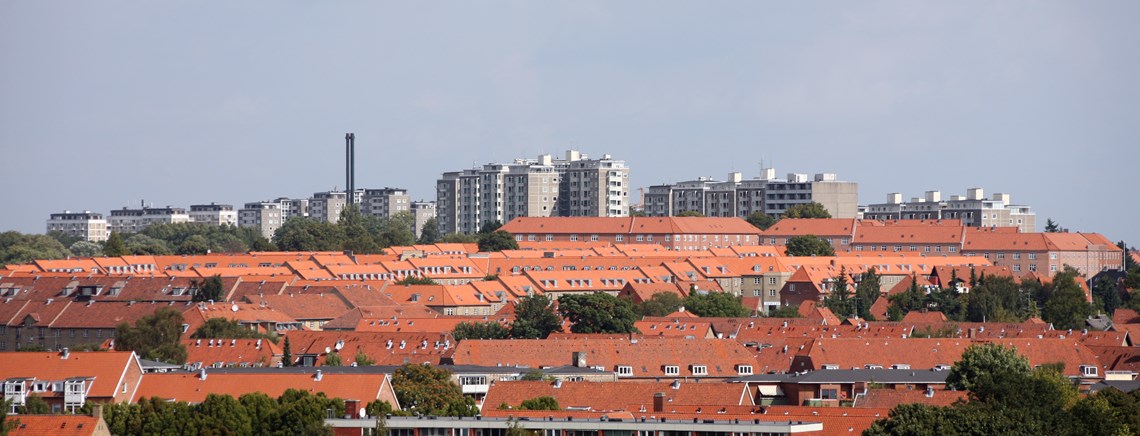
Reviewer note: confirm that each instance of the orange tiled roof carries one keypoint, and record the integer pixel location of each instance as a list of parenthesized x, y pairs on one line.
[(58, 425), (189, 387), (232, 352), (105, 367), (617, 396)]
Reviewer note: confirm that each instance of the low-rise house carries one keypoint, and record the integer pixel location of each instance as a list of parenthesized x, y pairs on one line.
[(59, 425), (68, 380), (311, 348), (223, 353), (636, 397)]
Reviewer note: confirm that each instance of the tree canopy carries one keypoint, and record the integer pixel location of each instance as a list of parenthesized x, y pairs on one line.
[(807, 210), (535, 318), (221, 328), (497, 240), (208, 289), (428, 390), (598, 312), (761, 220), (430, 232), (715, 304), (295, 412), (16, 247), (660, 304), (690, 213), (154, 337), (809, 245), (480, 330)]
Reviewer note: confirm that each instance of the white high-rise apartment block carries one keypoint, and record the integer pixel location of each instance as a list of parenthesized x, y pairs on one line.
[(574, 186), (974, 209), (265, 216), (87, 225), (213, 214), (136, 220)]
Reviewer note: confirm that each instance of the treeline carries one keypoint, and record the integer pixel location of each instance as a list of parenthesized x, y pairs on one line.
[(1008, 397), (294, 412), (1060, 301)]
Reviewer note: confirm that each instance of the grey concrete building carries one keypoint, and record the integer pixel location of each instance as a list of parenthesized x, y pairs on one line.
[(422, 211), (385, 202), (265, 216), (136, 220), (740, 198), (213, 214), (327, 206), (974, 209), (574, 186), (87, 225)]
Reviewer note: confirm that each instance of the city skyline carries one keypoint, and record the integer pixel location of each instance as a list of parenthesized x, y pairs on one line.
[(118, 105)]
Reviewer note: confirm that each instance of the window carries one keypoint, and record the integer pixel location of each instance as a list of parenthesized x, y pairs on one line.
[(593, 237), (744, 369), (756, 280), (618, 238), (771, 280), (1088, 371), (700, 370), (624, 371), (573, 237), (672, 370), (829, 394), (771, 292)]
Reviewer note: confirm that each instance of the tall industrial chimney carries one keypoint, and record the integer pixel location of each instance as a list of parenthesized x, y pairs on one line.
[(350, 168)]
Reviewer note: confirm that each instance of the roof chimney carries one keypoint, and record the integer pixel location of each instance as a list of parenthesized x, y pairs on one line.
[(202, 373), (318, 375), (580, 359), (65, 353), (659, 402)]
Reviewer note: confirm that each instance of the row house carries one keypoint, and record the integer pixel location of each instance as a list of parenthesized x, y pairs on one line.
[(55, 325), (674, 233), (380, 348), (1045, 253), (69, 380)]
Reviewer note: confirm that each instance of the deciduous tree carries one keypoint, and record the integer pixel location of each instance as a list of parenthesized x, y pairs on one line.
[(807, 210), (428, 390), (660, 304), (498, 240), (154, 337), (598, 312), (535, 318), (761, 220), (480, 330), (809, 245), (715, 304)]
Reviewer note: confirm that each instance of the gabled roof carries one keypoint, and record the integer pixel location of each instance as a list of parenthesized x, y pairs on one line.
[(383, 348), (232, 352), (889, 398), (811, 226), (316, 306), (647, 356), (58, 425), (189, 387), (105, 368), (629, 225)]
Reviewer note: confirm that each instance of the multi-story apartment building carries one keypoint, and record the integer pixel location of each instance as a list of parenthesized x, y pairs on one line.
[(327, 206), (293, 207), (574, 186), (265, 216), (136, 220), (422, 211), (213, 214), (87, 225), (385, 202), (740, 198), (973, 210)]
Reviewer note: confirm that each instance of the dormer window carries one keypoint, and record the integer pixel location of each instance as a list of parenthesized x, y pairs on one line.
[(672, 370), (830, 366), (900, 366), (744, 369), (1088, 371), (699, 369), (624, 371)]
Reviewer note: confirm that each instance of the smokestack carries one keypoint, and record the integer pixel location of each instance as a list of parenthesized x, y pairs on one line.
[(350, 168)]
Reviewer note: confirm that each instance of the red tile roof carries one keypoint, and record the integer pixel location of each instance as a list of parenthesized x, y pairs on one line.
[(189, 387), (107, 368), (58, 425), (633, 396)]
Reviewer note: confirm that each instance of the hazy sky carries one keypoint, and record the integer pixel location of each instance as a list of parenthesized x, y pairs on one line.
[(103, 104)]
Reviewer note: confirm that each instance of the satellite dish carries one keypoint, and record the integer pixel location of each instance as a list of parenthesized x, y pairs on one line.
[(234, 307), (327, 350), (363, 413)]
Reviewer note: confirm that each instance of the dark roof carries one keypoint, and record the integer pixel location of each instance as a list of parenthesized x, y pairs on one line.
[(1122, 385)]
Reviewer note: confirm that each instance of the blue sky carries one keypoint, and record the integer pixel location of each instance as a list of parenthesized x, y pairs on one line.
[(104, 104)]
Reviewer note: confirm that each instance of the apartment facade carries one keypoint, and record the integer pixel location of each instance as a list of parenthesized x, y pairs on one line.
[(87, 225), (673, 233), (422, 211), (973, 209), (213, 214), (542, 187), (737, 197), (385, 202), (327, 206), (265, 216), (136, 220)]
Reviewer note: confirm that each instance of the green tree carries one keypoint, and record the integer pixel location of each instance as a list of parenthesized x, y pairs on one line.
[(690, 213), (866, 292), (399, 230), (154, 337), (428, 390), (995, 299), (498, 240), (1051, 226), (34, 405), (20, 248), (915, 419), (809, 245), (141, 244), (839, 298), (64, 239), (598, 312), (489, 227), (208, 289), (333, 359), (430, 232), (194, 245), (807, 210), (357, 237), (660, 304), (480, 330), (540, 403), (1066, 307), (286, 353), (303, 234), (86, 249), (362, 359), (761, 220), (535, 318), (262, 410), (6, 425), (224, 414), (715, 305), (533, 374), (983, 364), (784, 312), (415, 280), (114, 247)]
